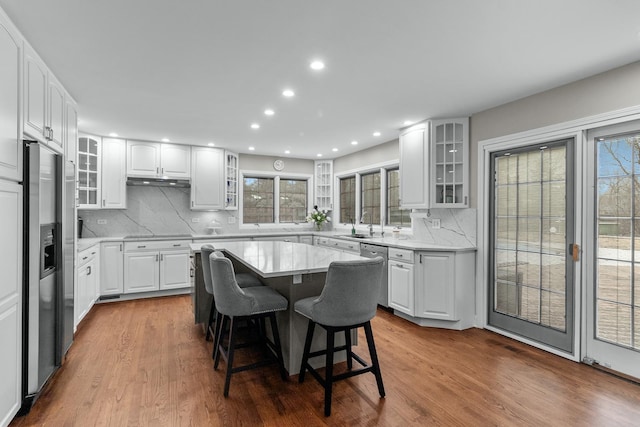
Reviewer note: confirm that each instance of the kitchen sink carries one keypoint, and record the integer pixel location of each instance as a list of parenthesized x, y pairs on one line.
[(356, 236)]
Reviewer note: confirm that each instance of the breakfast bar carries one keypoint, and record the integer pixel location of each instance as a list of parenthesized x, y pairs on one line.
[(295, 270)]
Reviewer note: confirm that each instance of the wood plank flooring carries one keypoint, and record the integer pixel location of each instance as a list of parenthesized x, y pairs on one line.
[(144, 363)]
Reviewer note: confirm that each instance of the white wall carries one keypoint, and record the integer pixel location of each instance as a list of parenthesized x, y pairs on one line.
[(380, 153), (612, 90)]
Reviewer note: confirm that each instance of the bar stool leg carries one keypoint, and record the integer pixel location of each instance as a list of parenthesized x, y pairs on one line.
[(328, 382), (347, 340), (374, 357), (230, 352), (307, 348), (221, 321), (211, 316), (276, 342)]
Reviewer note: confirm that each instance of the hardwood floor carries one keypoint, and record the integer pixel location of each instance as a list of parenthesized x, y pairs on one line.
[(145, 363)]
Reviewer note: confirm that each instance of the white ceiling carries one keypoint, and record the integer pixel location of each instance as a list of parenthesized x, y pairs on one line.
[(199, 71)]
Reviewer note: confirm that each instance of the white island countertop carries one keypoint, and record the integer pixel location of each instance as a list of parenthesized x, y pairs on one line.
[(277, 259)]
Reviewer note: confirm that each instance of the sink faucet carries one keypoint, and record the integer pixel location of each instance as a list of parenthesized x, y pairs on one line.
[(370, 222)]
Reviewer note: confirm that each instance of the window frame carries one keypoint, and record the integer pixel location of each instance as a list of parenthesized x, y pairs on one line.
[(276, 197)]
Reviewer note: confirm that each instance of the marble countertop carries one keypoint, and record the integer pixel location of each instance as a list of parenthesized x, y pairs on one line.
[(277, 259), (403, 242)]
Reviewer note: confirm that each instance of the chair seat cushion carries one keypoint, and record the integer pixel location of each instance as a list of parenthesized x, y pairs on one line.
[(305, 307), (246, 280), (265, 300)]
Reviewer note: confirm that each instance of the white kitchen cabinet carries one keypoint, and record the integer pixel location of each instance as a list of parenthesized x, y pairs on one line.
[(71, 131), (337, 244), (88, 171), (450, 164), (323, 184), (401, 286), (207, 187), (288, 238), (154, 160), (307, 240), (445, 287), (113, 188), (156, 265), (44, 102), (10, 297), (111, 268), (10, 127), (232, 172), (87, 287), (414, 167), (174, 269)]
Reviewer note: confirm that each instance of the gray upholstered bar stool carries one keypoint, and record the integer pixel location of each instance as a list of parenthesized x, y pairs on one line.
[(244, 281), (348, 301), (235, 304)]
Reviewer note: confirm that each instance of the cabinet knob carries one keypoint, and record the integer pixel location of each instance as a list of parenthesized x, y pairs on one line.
[(89, 271), (141, 246)]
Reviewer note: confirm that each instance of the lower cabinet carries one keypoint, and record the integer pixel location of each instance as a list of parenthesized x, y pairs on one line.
[(401, 287), (436, 297), (155, 266), (88, 282), (111, 268)]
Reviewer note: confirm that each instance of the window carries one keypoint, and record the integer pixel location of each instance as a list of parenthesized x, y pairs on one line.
[(257, 206), (370, 198), (275, 199), (395, 216), (293, 200), (348, 200)]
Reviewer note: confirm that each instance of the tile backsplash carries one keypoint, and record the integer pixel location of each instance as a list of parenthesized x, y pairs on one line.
[(457, 226)]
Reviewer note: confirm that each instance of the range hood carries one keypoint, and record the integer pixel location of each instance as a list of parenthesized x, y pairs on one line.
[(159, 182)]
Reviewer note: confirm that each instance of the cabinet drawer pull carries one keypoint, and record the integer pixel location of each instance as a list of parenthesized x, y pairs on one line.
[(398, 255), (156, 257), (120, 247), (177, 245), (399, 265), (142, 246), (85, 257)]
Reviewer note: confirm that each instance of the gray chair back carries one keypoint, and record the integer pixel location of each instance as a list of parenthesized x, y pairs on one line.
[(350, 294), (229, 298), (205, 253)]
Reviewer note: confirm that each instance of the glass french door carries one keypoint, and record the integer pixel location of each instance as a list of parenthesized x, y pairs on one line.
[(532, 221), (613, 224)]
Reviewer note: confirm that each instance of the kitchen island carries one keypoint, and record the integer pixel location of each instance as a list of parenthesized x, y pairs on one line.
[(295, 270)]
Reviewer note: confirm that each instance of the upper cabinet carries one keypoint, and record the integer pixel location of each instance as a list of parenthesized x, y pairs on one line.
[(114, 173), (323, 184), (10, 127), (71, 131), (151, 160), (434, 165), (231, 178), (207, 190), (414, 167), (89, 172), (45, 102), (450, 166)]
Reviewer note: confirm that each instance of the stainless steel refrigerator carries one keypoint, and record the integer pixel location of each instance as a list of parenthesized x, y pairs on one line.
[(49, 253)]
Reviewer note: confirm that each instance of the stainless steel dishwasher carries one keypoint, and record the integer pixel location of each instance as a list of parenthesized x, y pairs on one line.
[(368, 250)]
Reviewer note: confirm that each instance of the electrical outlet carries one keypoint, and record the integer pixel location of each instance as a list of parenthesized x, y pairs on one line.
[(435, 222), (195, 219), (231, 220), (102, 221)]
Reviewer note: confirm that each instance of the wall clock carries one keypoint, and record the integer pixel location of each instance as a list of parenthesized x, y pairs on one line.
[(278, 165)]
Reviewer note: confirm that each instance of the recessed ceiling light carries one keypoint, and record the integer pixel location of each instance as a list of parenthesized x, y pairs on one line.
[(408, 122), (113, 135), (211, 144), (317, 65), (269, 112), (376, 133), (319, 155), (288, 93), (255, 126), (252, 148), (165, 140), (287, 152), (334, 149), (354, 142)]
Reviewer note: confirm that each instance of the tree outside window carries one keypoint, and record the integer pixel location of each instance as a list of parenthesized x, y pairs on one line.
[(257, 200), (370, 198), (395, 215), (348, 200), (293, 200)]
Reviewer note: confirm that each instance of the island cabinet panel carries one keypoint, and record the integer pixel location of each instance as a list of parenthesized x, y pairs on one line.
[(207, 180), (111, 268), (10, 128)]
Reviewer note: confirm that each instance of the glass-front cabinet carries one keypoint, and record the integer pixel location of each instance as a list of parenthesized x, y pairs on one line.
[(450, 153), (88, 172), (323, 185), (231, 180)]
